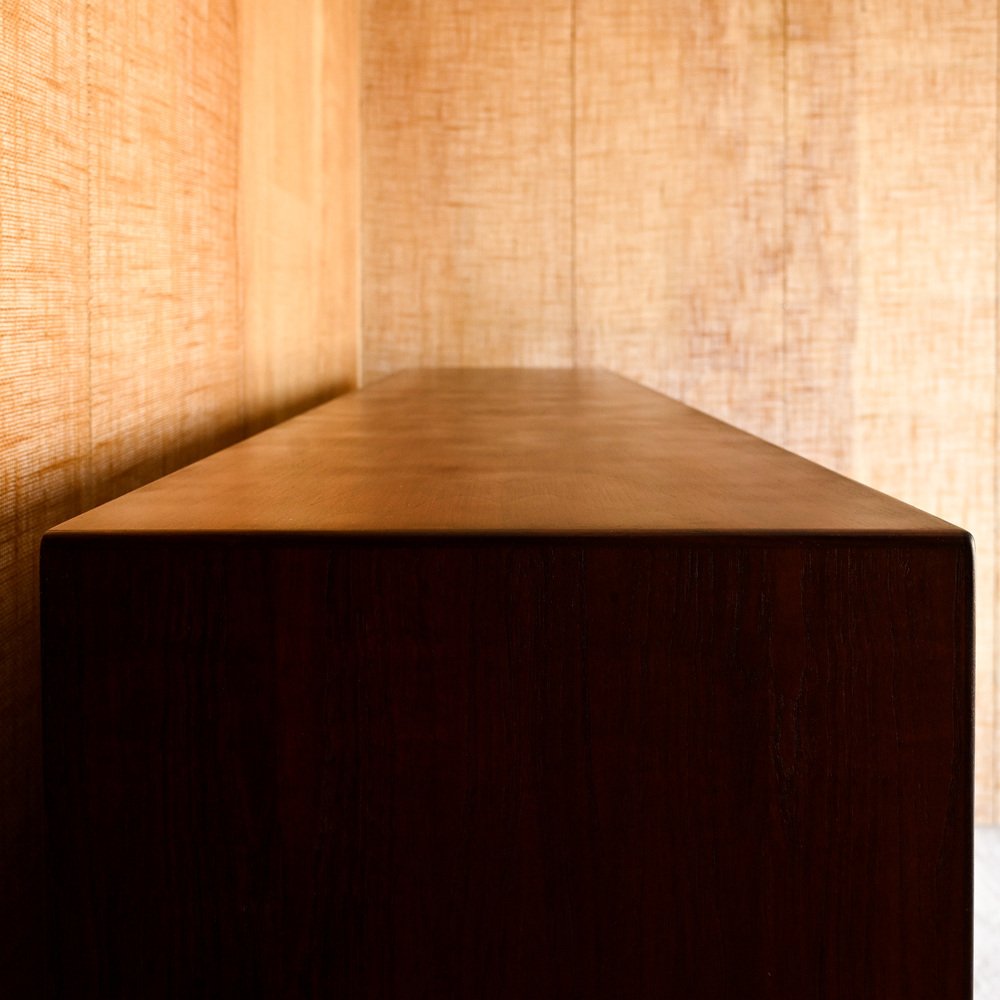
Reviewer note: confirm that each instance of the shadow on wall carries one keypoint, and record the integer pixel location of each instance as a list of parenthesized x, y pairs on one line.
[(21, 813)]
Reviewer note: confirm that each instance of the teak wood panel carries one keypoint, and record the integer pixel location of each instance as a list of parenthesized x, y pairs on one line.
[(495, 682), (591, 768), (531, 451)]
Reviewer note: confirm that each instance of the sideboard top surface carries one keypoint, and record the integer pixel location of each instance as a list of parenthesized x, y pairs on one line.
[(505, 451)]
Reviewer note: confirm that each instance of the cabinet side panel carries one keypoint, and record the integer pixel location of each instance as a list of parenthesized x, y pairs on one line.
[(782, 754), (510, 768)]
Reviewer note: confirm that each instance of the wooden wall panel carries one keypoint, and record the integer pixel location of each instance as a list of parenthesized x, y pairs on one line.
[(299, 202), (44, 424), (679, 157), (467, 183)]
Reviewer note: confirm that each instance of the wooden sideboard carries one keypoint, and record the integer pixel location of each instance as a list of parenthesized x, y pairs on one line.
[(508, 684)]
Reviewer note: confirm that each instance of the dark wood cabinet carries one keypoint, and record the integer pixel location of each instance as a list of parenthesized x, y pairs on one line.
[(508, 684)]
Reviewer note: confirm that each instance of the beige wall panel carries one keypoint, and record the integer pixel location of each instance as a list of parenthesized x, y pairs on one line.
[(338, 334), (299, 202), (44, 421), (924, 420), (821, 229), (165, 363), (679, 159), (467, 183)]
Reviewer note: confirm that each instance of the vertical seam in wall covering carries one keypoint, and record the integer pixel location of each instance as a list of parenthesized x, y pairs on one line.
[(574, 331), (994, 813), (238, 223), (359, 135), (89, 493), (784, 223)]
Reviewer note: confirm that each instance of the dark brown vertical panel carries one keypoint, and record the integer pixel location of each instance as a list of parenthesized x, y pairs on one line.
[(467, 218), (808, 678), (503, 768), (44, 420), (678, 200), (162, 135)]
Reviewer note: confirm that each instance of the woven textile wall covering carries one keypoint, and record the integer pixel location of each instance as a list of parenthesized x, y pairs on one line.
[(784, 213), (173, 178), (781, 212)]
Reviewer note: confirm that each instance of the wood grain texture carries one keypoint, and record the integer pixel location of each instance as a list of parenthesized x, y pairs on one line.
[(467, 183), (504, 683), (299, 203), (44, 427), (509, 768), (537, 451)]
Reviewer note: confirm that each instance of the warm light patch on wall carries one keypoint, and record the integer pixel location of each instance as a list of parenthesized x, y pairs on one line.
[(299, 202)]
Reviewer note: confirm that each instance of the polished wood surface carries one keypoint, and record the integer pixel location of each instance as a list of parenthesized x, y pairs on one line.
[(562, 768), (508, 684), (506, 451)]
